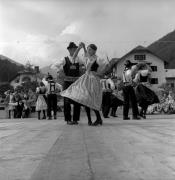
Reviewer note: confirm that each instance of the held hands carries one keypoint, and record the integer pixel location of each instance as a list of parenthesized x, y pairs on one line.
[(81, 45)]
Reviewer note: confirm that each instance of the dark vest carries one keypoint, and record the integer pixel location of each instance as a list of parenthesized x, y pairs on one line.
[(42, 90), (94, 66), (71, 69), (72, 72)]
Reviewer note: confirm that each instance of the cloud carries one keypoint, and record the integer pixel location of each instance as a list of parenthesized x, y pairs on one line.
[(41, 30), (70, 29)]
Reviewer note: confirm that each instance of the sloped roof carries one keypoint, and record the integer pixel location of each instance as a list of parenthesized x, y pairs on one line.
[(141, 49)]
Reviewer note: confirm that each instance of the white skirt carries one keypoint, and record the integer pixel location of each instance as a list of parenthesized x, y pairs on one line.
[(86, 90), (41, 103)]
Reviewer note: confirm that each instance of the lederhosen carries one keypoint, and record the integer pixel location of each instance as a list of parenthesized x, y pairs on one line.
[(52, 101), (72, 73)]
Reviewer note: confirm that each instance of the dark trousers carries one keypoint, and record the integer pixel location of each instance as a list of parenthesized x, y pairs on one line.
[(18, 110), (129, 97), (113, 111), (67, 110), (52, 104), (67, 106), (144, 109), (106, 103)]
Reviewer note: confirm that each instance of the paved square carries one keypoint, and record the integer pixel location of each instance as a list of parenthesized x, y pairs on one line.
[(119, 150)]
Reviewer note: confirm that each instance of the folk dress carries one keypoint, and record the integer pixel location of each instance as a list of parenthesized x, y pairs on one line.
[(87, 90), (144, 93), (41, 100)]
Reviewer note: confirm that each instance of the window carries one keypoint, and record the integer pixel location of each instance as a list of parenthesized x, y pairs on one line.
[(172, 85), (140, 57), (154, 80), (154, 68)]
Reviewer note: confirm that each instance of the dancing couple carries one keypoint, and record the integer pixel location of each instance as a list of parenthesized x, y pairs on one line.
[(87, 90)]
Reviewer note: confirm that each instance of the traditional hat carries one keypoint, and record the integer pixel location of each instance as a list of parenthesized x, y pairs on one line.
[(49, 77), (128, 63), (72, 45)]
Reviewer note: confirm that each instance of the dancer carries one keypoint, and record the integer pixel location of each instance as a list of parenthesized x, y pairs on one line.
[(129, 93), (145, 96), (69, 71), (87, 89)]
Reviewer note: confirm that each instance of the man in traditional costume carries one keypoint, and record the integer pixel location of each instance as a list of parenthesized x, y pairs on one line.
[(69, 70), (129, 92)]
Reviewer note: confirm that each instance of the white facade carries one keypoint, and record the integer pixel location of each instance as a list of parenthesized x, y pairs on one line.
[(20, 78), (159, 72)]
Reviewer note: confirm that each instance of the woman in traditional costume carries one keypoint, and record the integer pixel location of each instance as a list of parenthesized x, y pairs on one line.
[(145, 96), (41, 104), (87, 89)]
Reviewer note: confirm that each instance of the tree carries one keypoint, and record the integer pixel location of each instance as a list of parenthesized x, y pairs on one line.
[(4, 88)]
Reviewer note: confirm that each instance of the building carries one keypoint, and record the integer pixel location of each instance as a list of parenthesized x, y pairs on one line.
[(25, 76), (142, 54)]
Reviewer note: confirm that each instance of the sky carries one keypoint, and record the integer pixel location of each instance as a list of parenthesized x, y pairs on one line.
[(39, 31)]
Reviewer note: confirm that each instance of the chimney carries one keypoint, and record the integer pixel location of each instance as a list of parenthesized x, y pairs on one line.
[(37, 69)]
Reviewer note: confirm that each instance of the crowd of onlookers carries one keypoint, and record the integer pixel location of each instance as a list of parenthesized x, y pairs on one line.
[(19, 103), (166, 105)]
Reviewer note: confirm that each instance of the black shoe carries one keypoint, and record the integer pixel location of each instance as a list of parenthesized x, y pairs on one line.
[(73, 123), (55, 117), (49, 118), (136, 118), (126, 118), (44, 117), (90, 123), (97, 122)]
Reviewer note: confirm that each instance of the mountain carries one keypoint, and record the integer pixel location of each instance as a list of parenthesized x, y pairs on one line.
[(8, 68), (165, 49), (47, 69)]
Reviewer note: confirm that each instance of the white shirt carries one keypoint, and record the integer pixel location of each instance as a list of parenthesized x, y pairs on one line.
[(47, 85), (127, 75)]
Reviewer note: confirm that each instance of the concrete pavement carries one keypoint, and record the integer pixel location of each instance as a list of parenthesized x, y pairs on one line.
[(118, 150)]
